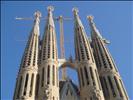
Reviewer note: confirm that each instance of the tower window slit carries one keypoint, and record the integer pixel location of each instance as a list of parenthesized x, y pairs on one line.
[(118, 87), (77, 49), (48, 74), (37, 85), (98, 56), (53, 75), (103, 86), (101, 52), (42, 76), (91, 72), (81, 71), (112, 87), (53, 44), (106, 87), (106, 55), (26, 83), (19, 87), (85, 45), (86, 75), (31, 84)]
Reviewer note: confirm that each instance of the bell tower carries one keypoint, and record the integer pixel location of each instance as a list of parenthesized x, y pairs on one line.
[(111, 81), (48, 69), (25, 85), (90, 86)]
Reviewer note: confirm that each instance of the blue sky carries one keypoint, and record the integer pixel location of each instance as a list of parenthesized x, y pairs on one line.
[(113, 19)]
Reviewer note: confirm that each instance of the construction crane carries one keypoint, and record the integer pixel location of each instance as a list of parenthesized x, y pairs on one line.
[(62, 50), (60, 19)]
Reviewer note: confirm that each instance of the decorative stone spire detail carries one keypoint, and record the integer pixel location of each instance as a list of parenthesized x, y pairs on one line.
[(50, 16), (94, 30), (111, 81), (77, 19), (83, 49), (86, 67), (48, 69), (25, 86)]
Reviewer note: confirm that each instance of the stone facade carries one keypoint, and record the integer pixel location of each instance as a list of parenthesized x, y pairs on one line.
[(98, 75)]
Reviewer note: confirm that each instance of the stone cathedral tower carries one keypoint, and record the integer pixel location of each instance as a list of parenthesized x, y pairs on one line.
[(25, 86), (98, 76), (48, 70), (110, 79), (90, 86)]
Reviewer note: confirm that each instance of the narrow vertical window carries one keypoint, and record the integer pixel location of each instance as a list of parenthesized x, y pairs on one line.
[(91, 72), (26, 83), (53, 45), (81, 71), (31, 84), (37, 84), (104, 86), (112, 87), (19, 87), (42, 77), (86, 75), (48, 75), (53, 75)]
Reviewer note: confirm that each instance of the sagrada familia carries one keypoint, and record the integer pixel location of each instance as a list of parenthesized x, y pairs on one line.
[(38, 76)]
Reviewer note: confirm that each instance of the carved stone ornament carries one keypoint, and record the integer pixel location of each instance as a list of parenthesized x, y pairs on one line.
[(47, 92), (96, 95)]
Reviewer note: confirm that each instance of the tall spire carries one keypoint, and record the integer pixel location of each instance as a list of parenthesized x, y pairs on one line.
[(94, 30), (77, 19), (50, 20), (37, 15), (48, 70), (49, 47), (109, 76), (82, 45), (86, 67), (25, 86)]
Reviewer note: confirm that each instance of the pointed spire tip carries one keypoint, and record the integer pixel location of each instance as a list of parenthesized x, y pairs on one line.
[(50, 8), (90, 17), (75, 10), (38, 14)]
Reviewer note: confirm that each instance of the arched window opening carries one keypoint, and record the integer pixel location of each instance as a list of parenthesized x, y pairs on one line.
[(53, 81), (92, 77), (104, 86), (37, 84), (19, 87), (112, 87), (86, 74), (48, 75), (26, 83), (31, 84)]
